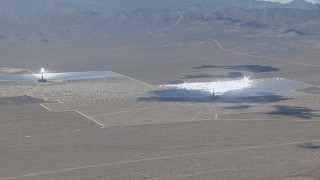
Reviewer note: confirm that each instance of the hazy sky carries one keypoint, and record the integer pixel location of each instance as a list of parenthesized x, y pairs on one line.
[(286, 1)]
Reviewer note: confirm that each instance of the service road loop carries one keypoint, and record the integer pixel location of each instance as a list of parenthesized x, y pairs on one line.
[(82, 114)]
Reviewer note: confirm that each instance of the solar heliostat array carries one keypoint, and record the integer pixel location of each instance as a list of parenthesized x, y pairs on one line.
[(57, 76)]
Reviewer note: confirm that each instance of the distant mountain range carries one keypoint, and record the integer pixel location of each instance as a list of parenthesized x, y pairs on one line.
[(148, 5), (54, 20), (187, 5)]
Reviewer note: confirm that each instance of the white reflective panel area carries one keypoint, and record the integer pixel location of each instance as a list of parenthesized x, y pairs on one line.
[(217, 88), (238, 88), (74, 75), (17, 77), (57, 76)]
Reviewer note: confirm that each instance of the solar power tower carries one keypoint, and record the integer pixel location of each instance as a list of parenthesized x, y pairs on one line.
[(42, 80)]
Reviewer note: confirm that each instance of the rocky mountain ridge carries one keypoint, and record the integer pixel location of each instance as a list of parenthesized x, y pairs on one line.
[(56, 20)]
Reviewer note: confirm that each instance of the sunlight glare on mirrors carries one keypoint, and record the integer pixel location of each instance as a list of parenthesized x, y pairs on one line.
[(216, 88)]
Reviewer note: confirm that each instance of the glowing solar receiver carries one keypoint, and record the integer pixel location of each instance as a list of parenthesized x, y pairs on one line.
[(42, 70)]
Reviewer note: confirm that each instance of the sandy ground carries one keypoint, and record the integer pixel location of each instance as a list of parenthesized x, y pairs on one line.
[(108, 129)]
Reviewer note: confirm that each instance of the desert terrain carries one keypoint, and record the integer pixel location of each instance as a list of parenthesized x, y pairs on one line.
[(129, 125)]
